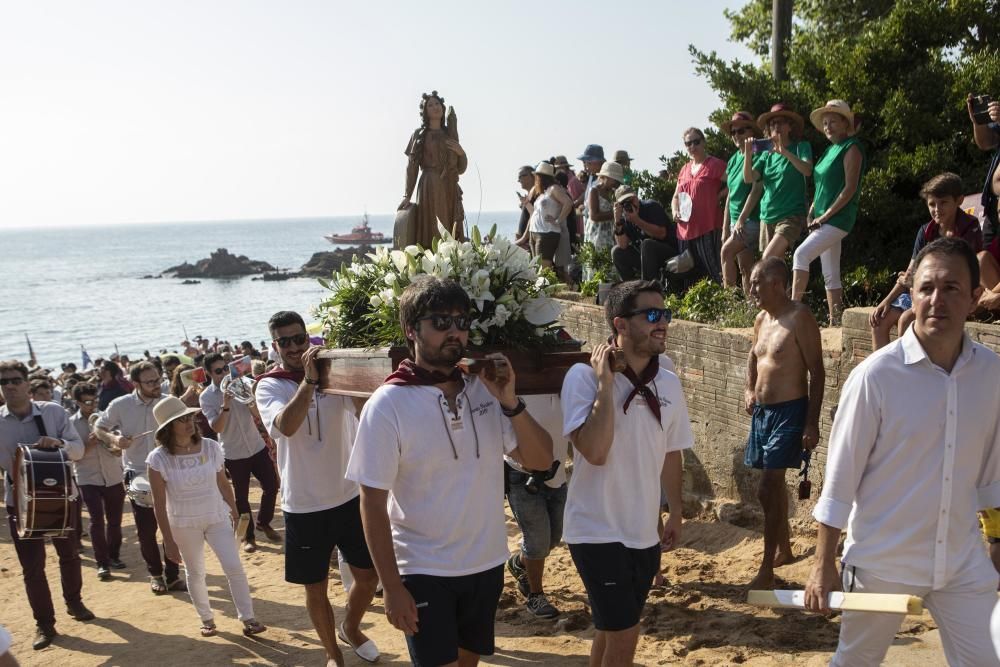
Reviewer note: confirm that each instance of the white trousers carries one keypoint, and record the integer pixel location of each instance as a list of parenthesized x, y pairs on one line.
[(961, 611), (825, 244), (219, 535)]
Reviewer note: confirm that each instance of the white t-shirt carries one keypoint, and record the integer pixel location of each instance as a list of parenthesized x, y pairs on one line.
[(618, 502), (313, 460), (447, 514), (193, 496), (546, 409)]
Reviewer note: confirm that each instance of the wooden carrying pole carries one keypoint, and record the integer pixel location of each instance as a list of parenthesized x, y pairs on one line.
[(887, 603)]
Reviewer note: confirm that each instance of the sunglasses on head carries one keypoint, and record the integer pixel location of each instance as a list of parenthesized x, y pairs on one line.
[(693, 142), (14, 381), (444, 322), (654, 315), (297, 339)]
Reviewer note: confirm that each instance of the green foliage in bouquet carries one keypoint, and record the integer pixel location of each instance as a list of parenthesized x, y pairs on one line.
[(511, 296)]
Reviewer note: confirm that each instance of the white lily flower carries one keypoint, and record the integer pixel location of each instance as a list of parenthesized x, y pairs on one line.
[(541, 310)]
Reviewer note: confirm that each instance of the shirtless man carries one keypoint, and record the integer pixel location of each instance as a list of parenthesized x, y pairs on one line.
[(784, 393)]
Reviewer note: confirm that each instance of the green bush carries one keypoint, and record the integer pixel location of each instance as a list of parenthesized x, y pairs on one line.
[(710, 303)]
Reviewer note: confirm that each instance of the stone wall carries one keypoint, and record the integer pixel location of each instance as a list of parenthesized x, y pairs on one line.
[(711, 363)]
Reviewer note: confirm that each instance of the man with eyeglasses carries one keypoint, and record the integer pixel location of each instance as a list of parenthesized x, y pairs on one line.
[(429, 457), (129, 424), (628, 431), (245, 451), (100, 476), (43, 426), (784, 394), (314, 433)]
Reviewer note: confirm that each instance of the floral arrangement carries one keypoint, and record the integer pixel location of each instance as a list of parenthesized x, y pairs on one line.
[(511, 296)]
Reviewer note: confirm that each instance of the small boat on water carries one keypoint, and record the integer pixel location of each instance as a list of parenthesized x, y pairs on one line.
[(361, 234)]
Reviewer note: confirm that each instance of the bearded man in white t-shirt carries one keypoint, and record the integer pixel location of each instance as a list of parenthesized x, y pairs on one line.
[(628, 430), (429, 458)]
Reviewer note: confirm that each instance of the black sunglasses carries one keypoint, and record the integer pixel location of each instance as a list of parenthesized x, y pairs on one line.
[(444, 322), (14, 381), (693, 142), (297, 339), (739, 130), (222, 369), (654, 315)]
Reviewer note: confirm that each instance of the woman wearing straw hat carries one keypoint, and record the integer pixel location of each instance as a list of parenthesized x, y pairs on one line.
[(782, 170), (741, 216), (600, 214), (835, 203), (194, 504), (547, 223)]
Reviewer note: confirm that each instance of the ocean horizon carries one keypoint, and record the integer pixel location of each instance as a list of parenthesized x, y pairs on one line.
[(84, 285)]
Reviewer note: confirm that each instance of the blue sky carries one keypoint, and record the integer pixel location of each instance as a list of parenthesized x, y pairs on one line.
[(139, 111)]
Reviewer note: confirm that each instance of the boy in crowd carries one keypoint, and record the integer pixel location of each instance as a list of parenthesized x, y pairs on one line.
[(628, 430)]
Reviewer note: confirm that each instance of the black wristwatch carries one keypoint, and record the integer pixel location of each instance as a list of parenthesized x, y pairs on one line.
[(518, 409)]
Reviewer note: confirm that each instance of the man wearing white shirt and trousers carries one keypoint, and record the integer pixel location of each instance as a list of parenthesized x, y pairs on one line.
[(314, 433), (914, 453), (628, 431), (429, 458)]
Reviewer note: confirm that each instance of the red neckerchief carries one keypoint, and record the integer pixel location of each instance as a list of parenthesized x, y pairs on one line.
[(409, 374), (640, 384), (963, 224), (281, 374)]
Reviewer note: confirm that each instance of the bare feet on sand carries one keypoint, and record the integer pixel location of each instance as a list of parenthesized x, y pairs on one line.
[(764, 581), (784, 557), (337, 661)]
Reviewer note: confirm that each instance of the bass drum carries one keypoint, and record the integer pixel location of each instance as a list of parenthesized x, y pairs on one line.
[(45, 495)]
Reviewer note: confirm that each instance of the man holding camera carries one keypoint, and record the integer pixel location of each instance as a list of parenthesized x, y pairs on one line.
[(628, 431), (429, 459), (784, 393), (984, 112), (644, 237)]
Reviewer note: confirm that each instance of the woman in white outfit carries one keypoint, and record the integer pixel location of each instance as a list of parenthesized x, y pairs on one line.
[(194, 504)]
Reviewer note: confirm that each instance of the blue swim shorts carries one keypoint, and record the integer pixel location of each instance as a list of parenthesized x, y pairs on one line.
[(776, 435)]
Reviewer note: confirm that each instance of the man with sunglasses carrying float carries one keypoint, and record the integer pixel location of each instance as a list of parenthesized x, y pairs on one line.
[(628, 431), (429, 458), (129, 424), (784, 393), (314, 433)]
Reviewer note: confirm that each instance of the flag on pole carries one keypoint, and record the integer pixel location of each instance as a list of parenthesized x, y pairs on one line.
[(86, 360), (31, 351)]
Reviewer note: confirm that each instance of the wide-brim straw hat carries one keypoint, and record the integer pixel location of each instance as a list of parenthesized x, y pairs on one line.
[(839, 107), (782, 109), (741, 119), (169, 409), (622, 155), (545, 169), (560, 161), (612, 170)]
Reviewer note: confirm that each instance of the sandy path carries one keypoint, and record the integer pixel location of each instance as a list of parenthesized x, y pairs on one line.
[(699, 619)]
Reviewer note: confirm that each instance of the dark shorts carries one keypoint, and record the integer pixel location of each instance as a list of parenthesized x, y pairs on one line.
[(776, 435), (453, 613), (310, 539), (617, 580), (545, 244)]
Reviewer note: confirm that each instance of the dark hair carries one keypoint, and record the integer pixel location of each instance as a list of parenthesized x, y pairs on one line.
[(425, 98), (426, 294), (177, 387), (622, 297), (246, 343), (165, 436), (774, 267), (951, 246), (543, 181), (943, 185), (113, 368), (40, 383), (693, 130), (140, 367), (156, 361), (82, 389), (170, 359), (562, 178), (284, 318), (14, 365), (210, 359)]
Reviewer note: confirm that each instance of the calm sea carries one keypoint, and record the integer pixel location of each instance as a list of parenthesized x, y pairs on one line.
[(84, 286)]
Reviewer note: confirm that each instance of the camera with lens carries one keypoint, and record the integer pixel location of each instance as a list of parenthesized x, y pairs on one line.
[(981, 109), (536, 478), (629, 206)]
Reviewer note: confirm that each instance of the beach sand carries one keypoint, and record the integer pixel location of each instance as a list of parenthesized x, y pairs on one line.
[(700, 618)]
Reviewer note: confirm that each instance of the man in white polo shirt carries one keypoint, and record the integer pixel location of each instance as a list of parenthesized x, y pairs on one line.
[(128, 424), (429, 458), (245, 451), (914, 453), (628, 431), (314, 433)]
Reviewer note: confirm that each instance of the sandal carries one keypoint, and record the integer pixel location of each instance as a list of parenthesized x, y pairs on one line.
[(207, 628), (177, 584), (158, 585), (253, 627)]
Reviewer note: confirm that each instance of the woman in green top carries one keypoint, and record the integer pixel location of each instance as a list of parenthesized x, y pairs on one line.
[(782, 169), (835, 204), (741, 224)]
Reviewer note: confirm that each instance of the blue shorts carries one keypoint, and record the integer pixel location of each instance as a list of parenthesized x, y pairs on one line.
[(903, 302), (776, 435)]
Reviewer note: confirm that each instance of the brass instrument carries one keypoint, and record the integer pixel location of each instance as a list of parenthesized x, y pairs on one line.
[(92, 423)]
